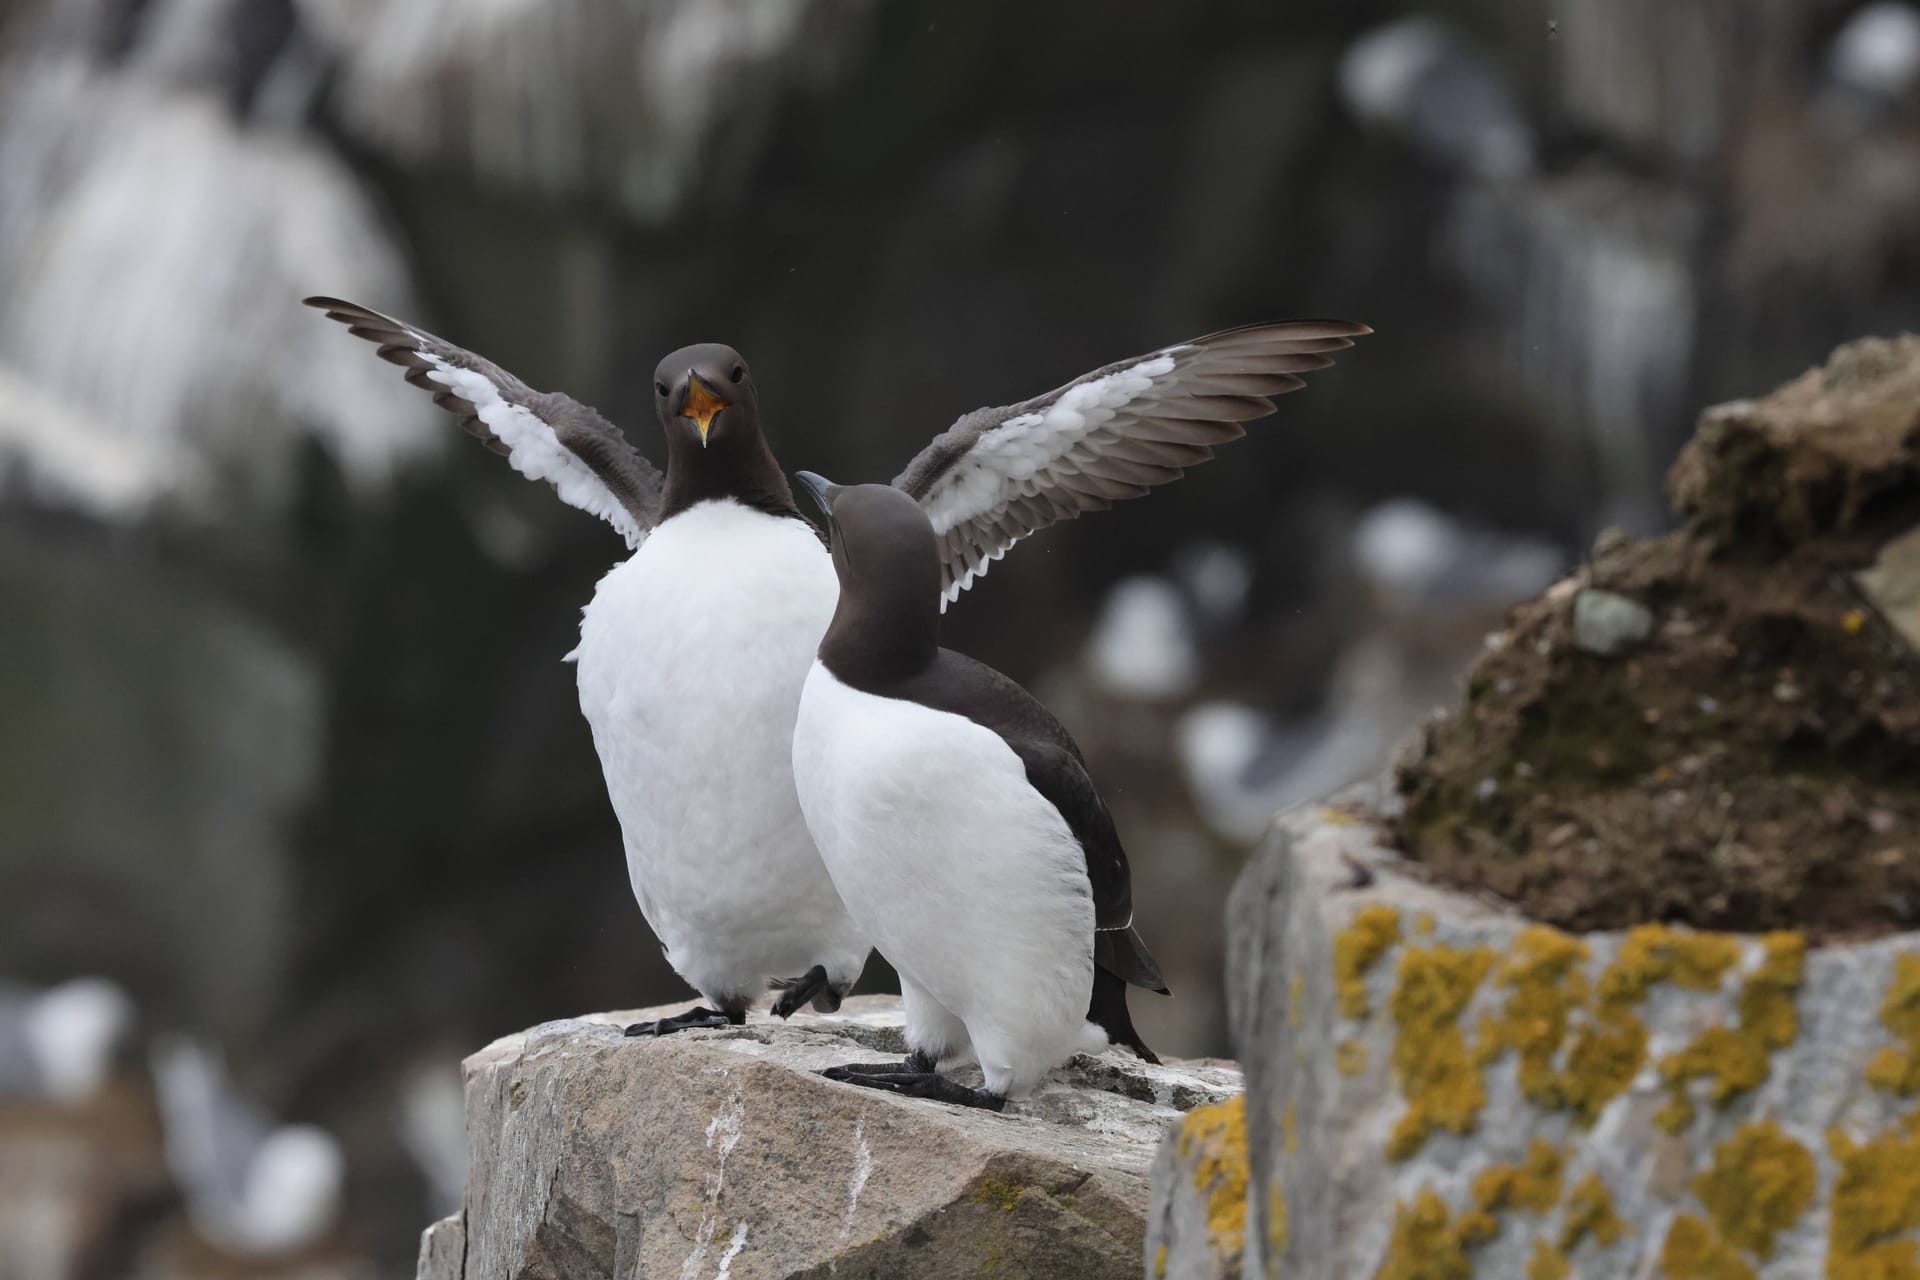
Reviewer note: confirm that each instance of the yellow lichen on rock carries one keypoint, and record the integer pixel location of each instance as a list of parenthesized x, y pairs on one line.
[(1425, 1244), (1692, 1252), (1874, 1203), (1608, 1050), (1276, 1222), (1733, 1060), (1289, 1135), (1737, 1060), (1767, 1008), (1876, 1195), (1897, 1067), (1547, 1263), (1296, 1011), (1350, 1057), (1590, 1215), (1437, 1076), (1760, 1183), (1532, 1184), (1654, 953), (1213, 1140), (1372, 930), (1543, 971), (1475, 1227), (1602, 1054), (1605, 1056), (1430, 1243)]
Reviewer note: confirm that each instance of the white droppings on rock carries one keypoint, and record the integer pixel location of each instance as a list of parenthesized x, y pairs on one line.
[(734, 1246), (723, 1135), (862, 1170)]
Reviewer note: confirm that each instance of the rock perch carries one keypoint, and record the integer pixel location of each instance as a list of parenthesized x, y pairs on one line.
[(721, 1153)]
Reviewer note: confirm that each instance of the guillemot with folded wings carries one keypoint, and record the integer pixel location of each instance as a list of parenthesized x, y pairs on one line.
[(693, 651)]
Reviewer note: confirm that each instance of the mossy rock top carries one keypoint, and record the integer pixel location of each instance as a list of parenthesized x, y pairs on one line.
[(1751, 759)]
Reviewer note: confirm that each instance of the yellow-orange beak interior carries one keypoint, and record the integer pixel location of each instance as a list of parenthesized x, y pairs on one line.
[(701, 404)]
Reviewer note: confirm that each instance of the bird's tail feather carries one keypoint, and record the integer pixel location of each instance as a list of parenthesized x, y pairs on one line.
[(1108, 1010), (1121, 953)]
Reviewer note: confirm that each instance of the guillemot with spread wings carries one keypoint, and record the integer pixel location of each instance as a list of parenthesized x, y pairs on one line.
[(693, 651)]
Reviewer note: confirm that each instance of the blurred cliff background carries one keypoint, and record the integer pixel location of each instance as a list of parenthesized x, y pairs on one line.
[(296, 805)]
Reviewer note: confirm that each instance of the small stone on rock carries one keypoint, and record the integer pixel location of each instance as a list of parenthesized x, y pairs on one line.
[(1607, 624), (1892, 585)]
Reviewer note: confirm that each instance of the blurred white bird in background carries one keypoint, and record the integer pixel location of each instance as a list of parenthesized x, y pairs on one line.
[(433, 1128), (1878, 50), (1148, 643), (1417, 79), (250, 1187), (1435, 586), (58, 1045)]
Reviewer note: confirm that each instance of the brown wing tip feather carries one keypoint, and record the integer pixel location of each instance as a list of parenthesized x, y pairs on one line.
[(1286, 330)]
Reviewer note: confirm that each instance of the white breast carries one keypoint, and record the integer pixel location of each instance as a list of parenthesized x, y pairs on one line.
[(691, 660), (963, 875)]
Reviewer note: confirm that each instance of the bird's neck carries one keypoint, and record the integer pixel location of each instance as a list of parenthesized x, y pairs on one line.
[(876, 645), (738, 466)]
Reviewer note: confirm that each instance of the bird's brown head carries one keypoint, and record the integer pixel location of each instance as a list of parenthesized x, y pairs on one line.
[(886, 624), (705, 391)]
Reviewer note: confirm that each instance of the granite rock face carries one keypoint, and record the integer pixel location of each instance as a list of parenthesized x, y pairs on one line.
[(1439, 1087), (722, 1152)]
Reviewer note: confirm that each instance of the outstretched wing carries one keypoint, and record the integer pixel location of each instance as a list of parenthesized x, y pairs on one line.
[(545, 435), (998, 475)]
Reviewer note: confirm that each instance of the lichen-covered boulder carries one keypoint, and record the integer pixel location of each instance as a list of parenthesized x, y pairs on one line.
[(1719, 728), (1440, 1087), (1198, 1227), (722, 1152)]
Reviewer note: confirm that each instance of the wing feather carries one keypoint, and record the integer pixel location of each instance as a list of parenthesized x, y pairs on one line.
[(544, 435), (999, 475)]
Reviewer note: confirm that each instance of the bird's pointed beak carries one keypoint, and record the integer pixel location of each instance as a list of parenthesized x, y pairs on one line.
[(701, 404), (819, 488)]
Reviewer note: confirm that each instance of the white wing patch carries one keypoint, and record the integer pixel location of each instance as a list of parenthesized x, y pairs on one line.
[(534, 450), (1004, 463), (961, 583)]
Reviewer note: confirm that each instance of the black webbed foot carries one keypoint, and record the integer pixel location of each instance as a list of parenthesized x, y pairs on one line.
[(795, 992), (917, 1063), (697, 1018), (916, 1084)]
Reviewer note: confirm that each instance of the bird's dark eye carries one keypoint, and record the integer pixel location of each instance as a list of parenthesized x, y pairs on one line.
[(660, 389), (739, 372)]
